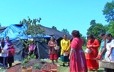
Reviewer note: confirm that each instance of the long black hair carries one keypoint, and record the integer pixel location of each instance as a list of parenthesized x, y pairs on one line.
[(76, 33)]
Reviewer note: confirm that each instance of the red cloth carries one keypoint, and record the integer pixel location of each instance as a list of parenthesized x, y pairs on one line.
[(11, 51), (77, 57), (93, 45), (53, 56)]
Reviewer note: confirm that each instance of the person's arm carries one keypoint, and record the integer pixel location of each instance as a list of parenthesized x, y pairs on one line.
[(96, 44), (112, 47), (89, 44), (62, 47), (71, 51), (74, 45), (68, 48), (110, 52)]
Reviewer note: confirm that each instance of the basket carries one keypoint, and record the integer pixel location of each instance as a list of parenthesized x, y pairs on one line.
[(105, 64)]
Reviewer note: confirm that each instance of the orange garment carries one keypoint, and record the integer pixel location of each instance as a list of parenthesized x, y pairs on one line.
[(93, 45)]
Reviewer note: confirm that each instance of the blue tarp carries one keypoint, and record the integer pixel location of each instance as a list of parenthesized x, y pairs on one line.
[(15, 32)]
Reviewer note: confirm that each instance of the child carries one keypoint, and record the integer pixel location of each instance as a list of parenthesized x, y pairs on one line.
[(11, 52), (32, 47)]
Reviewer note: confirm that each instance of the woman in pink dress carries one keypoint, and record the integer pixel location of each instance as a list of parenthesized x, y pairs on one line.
[(77, 56)]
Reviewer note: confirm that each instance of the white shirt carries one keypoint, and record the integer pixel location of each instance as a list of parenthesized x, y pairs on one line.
[(5, 50), (108, 48)]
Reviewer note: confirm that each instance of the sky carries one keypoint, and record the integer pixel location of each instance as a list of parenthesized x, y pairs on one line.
[(63, 14)]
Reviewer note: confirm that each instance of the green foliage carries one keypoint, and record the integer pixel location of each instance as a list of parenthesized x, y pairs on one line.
[(65, 31), (111, 28), (53, 27), (109, 11), (84, 40), (96, 29), (27, 59), (37, 66), (93, 22), (33, 28)]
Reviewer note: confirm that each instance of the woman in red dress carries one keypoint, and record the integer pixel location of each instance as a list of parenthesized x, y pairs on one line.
[(92, 45), (77, 56), (52, 51)]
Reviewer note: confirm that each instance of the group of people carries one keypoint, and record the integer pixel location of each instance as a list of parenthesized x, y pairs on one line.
[(71, 52), (100, 51), (54, 48), (29, 48), (79, 60), (7, 52)]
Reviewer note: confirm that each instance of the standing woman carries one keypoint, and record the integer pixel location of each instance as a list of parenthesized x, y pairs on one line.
[(10, 51), (77, 56), (92, 46), (5, 52), (102, 49), (52, 51), (65, 47), (109, 55)]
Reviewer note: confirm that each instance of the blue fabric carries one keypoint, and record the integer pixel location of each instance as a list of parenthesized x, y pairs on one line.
[(15, 32), (101, 45)]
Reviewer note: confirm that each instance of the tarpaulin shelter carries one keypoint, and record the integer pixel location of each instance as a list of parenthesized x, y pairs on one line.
[(17, 32)]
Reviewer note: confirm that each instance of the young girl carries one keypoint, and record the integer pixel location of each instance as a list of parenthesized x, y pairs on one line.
[(53, 53)]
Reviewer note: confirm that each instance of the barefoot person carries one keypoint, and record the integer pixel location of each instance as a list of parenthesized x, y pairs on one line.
[(52, 51)]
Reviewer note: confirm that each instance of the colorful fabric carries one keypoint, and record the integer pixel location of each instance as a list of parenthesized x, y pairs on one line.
[(90, 57), (31, 47), (11, 51), (77, 56), (101, 53), (53, 56), (109, 50), (51, 45), (65, 46)]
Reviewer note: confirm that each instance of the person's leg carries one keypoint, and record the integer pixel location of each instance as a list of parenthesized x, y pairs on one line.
[(53, 62), (11, 60), (56, 58), (10, 64), (52, 58), (5, 62)]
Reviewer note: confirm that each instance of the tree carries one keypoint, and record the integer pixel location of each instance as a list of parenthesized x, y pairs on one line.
[(65, 31), (33, 28), (109, 11), (93, 22), (84, 40), (96, 29), (53, 27), (111, 27)]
